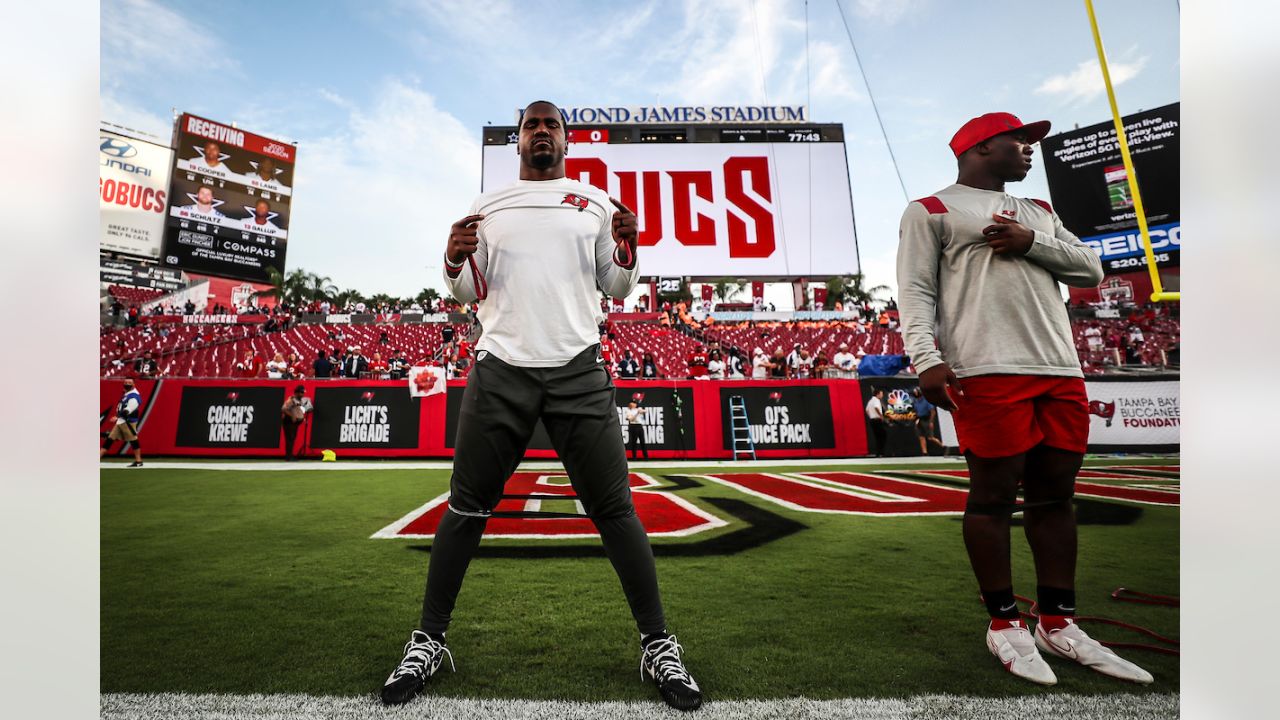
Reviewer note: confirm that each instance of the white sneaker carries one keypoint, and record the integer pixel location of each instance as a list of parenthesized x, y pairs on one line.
[(1072, 643), (1016, 650)]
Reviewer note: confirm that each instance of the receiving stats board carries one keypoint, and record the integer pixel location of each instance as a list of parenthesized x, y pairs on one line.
[(229, 201)]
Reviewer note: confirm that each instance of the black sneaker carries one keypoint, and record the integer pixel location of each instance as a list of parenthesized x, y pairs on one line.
[(660, 660), (136, 463), (422, 657)]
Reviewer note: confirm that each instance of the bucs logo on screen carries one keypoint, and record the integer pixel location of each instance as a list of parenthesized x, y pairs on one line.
[(367, 396), (233, 396), (750, 226), (775, 396), (638, 397), (1104, 410), (575, 200)]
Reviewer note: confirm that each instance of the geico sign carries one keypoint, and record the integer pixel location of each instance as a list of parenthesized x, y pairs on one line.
[(677, 188), (1163, 237)]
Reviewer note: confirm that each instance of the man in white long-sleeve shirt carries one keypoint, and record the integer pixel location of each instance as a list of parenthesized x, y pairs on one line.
[(983, 317), (535, 254)]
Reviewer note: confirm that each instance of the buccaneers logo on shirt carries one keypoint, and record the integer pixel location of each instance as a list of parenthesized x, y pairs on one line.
[(576, 201)]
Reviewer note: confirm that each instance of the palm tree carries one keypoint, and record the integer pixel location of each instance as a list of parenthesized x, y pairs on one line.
[(379, 299), (725, 289), (320, 288), (428, 297), (347, 296), (848, 289), (277, 282), (295, 287)]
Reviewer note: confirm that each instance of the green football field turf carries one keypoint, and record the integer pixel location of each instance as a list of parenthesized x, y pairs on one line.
[(243, 581)]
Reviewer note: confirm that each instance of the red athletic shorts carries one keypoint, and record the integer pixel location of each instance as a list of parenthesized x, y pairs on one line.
[(1003, 415)]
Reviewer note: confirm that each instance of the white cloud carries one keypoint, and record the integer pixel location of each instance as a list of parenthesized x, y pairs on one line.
[(1085, 82), (374, 202), (887, 12), (724, 47), (141, 37), (122, 113), (477, 27), (829, 76)]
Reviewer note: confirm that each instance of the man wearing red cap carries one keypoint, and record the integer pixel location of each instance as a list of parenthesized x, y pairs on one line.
[(986, 327)]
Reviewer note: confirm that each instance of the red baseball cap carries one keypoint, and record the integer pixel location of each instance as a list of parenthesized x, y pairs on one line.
[(985, 127)]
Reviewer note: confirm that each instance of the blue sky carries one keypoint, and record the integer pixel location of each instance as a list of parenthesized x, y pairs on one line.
[(386, 99)]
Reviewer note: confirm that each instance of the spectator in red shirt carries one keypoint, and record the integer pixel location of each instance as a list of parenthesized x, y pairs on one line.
[(297, 370), (698, 363), (379, 367), (250, 366)]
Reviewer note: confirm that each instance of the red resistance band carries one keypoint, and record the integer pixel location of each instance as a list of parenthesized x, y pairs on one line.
[(1122, 595)]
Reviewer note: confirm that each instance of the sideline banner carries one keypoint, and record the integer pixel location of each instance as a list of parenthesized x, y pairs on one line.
[(902, 431), (782, 416), (380, 419), (667, 414), (365, 417), (230, 416)]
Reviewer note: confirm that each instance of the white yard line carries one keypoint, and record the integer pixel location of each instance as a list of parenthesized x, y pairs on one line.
[(374, 465), (1119, 706)]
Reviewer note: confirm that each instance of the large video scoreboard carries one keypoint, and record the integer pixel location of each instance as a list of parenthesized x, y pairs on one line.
[(229, 199), (759, 200)]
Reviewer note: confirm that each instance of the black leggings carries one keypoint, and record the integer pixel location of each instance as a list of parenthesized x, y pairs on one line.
[(500, 407), (637, 443)]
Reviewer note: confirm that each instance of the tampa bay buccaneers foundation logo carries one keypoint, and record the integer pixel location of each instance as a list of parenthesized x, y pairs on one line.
[(1104, 410)]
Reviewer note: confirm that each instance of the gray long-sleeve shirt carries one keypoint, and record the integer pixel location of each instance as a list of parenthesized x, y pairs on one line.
[(545, 246), (988, 314)]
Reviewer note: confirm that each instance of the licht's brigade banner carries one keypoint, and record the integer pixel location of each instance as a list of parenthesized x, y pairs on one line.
[(365, 417)]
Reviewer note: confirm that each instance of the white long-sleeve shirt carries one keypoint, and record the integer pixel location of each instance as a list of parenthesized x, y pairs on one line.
[(545, 247), (989, 314)]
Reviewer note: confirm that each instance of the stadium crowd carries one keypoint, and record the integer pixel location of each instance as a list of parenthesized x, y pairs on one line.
[(637, 345)]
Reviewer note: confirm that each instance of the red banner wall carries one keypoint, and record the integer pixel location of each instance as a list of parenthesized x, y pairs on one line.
[(378, 419)]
